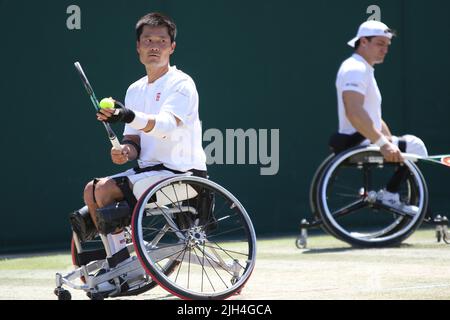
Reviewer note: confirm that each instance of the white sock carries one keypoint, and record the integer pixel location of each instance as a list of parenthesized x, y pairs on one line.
[(117, 242)]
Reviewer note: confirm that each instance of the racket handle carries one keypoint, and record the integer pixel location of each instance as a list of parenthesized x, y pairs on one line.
[(115, 142)]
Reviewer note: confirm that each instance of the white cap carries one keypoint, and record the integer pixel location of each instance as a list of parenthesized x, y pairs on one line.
[(371, 29)]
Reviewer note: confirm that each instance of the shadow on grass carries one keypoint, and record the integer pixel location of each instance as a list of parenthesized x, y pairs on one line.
[(349, 249)]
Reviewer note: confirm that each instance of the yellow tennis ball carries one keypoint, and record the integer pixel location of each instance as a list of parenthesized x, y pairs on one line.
[(107, 103)]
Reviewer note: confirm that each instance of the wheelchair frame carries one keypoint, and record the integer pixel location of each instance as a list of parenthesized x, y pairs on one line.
[(162, 243)]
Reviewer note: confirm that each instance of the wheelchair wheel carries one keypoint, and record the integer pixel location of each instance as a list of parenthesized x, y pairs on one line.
[(348, 199), (313, 192), (315, 182), (95, 251), (202, 227)]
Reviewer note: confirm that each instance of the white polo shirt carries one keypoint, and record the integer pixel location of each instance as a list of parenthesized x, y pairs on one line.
[(356, 74), (175, 92)]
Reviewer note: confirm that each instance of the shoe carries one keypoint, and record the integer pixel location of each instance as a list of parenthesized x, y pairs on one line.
[(393, 200), (135, 275), (109, 286)]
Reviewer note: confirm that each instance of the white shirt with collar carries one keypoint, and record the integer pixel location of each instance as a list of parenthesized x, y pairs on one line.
[(356, 74), (176, 93)]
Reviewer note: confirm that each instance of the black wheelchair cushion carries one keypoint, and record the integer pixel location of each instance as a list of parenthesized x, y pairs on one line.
[(340, 142)]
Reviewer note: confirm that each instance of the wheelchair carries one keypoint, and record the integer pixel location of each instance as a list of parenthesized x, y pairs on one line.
[(346, 199), (194, 249)]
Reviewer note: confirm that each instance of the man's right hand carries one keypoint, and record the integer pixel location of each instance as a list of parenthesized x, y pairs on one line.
[(391, 153), (120, 156)]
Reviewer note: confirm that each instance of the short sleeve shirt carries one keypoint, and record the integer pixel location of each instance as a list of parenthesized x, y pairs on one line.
[(356, 74), (175, 93)]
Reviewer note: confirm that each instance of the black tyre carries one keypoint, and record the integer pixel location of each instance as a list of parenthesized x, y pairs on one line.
[(313, 192)]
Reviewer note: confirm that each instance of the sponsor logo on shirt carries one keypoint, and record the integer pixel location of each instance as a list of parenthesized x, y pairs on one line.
[(352, 85), (158, 96)]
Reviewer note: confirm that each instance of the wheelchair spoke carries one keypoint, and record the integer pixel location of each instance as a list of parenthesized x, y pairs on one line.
[(208, 259), (158, 233), (178, 202), (179, 266), (171, 223), (344, 187), (225, 232), (353, 196), (350, 208), (204, 271), (226, 251), (218, 211)]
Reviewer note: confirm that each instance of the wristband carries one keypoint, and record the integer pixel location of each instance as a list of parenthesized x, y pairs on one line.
[(134, 144), (122, 115), (140, 121), (382, 141)]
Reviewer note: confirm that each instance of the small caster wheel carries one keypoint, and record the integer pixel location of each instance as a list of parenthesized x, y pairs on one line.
[(301, 242), (62, 294), (95, 296), (439, 236)]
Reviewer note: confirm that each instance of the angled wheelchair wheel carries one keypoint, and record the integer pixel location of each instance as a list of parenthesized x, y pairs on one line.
[(313, 191), (350, 203), (93, 250), (201, 227)]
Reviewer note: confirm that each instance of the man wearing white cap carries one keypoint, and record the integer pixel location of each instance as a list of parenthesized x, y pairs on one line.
[(359, 101)]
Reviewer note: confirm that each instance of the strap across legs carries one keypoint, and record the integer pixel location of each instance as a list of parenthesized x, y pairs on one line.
[(124, 185)]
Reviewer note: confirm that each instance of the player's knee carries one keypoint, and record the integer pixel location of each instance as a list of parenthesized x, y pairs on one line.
[(88, 194), (106, 192)]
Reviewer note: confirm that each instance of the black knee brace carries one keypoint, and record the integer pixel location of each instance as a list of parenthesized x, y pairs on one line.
[(113, 217), (82, 224), (124, 186)]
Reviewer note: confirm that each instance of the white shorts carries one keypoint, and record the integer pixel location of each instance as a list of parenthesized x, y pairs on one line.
[(142, 181)]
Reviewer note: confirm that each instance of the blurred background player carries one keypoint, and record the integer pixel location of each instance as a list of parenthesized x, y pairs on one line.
[(359, 106)]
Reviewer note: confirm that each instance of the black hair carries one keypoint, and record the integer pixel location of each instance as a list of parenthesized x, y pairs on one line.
[(156, 19), (357, 43)]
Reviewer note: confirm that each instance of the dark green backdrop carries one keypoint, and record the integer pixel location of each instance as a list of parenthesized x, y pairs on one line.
[(257, 64)]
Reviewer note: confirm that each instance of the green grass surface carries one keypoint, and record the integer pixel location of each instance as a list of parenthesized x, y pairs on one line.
[(329, 269)]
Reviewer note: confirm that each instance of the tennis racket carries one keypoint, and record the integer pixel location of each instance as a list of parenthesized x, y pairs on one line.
[(111, 135), (442, 159)]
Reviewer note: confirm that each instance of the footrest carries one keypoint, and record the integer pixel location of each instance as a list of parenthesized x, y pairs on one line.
[(117, 258), (86, 257)]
